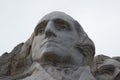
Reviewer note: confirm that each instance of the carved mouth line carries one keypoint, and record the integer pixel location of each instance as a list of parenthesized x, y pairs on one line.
[(46, 41)]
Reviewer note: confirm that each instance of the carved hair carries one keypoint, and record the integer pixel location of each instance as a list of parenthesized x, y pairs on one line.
[(85, 44)]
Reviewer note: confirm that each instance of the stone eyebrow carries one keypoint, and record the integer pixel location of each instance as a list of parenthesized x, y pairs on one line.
[(61, 21)]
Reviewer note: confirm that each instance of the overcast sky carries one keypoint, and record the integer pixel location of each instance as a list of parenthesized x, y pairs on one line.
[(99, 18)]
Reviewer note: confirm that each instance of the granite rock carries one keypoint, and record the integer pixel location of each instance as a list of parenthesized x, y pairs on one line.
[(58, 49)]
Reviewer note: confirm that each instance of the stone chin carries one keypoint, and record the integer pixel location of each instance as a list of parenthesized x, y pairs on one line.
[(52, 54), (55, 57)]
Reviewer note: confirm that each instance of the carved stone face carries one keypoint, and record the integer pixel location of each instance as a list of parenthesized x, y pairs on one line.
[(108, 70), (55, 40)]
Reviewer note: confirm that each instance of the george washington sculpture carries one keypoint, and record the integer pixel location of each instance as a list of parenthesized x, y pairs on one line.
[(58, 49)]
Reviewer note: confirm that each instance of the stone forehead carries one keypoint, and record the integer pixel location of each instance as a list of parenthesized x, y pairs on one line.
[(57, 14)]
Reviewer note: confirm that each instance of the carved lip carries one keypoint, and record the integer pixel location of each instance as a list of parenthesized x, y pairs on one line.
[(46, 41)]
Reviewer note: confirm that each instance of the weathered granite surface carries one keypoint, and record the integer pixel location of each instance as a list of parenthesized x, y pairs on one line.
[(58, 49), (106, 68)]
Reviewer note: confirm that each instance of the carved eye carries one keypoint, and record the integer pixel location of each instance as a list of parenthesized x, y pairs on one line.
[(61, 24), (41, 30), (106, 69), (107, 72), (63, 27), (40, 27)]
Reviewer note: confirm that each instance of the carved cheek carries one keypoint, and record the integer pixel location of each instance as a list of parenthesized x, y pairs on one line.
[(37, 41), (34, 42)]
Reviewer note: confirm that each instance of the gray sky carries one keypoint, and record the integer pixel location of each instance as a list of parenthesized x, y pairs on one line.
[(99, 18)]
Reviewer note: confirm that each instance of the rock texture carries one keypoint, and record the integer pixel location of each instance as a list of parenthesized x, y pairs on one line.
[(58, 49), (106, 68)]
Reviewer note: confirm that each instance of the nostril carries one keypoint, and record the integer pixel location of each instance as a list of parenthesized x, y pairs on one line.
[(50, 34)]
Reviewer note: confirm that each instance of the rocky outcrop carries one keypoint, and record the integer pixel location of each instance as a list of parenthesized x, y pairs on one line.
[(6, 60), (106, 68), (58, 49), (13, 64)]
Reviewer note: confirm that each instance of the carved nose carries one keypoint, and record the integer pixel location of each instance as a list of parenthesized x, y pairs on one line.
[(50, 31)]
